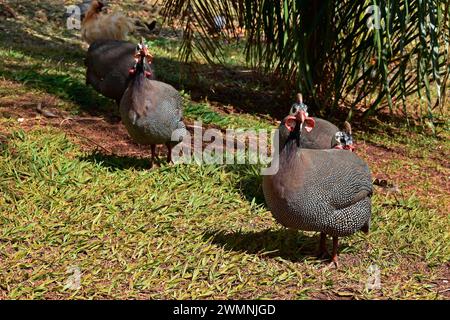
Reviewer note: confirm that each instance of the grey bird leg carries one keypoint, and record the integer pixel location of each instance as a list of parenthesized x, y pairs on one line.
[(169, 154), (323, 252)]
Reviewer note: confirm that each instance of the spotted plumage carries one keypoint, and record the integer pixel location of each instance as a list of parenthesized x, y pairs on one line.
[(328, 191), (320, 190), (151, 110), (107, 67)]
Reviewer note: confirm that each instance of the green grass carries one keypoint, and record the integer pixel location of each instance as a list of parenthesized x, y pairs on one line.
[(190, 231), (183, 231), (207, 115)]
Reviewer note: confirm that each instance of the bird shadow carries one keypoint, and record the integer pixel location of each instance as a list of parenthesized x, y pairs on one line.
[(116, 163), (283, 243), (249, 181), (50, 48)]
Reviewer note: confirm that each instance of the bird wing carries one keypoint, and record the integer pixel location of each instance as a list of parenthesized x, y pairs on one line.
[(340, 176)]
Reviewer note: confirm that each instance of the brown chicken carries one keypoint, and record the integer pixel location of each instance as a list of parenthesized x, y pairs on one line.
[(99, 26)]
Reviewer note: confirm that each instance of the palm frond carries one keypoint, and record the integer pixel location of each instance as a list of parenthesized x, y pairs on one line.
[(334, 52)]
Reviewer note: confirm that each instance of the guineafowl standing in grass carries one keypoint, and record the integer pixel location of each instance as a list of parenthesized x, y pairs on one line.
[(151, 110), (328, 191), (108, 63)]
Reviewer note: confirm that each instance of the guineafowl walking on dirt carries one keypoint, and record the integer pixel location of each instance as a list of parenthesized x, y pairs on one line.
[(151, 110), (328, 191), (108, 63)]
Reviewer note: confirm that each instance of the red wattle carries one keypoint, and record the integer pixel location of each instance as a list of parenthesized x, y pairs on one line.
[(309, 124), (348, 147), (351, 148), (290, 123)]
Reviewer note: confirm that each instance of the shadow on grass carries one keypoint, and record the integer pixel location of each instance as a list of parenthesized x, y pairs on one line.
[(46, 46), (64, 84), (284, 243), (249, 181), (246, 90), (115, 163)]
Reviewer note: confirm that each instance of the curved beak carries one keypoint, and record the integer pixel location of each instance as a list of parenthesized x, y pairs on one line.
[(301, 116), (308, 121)]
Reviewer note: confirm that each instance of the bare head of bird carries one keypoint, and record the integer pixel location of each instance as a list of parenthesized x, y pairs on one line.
[(143, 52), (298, 105), (344, 141), (142, 58), (298, 116), (297, 120)]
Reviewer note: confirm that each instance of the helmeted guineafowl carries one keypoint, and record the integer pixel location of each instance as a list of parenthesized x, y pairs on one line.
[(108, 63), (151, 110), (344, 138), (328, 191)]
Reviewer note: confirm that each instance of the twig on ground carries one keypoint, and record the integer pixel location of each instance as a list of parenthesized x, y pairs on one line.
[(90, 140), (81, 119), (45, 113)]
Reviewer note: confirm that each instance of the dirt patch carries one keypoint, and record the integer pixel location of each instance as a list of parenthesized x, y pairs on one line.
[(107, 135), (104, 133), (405, 180), (443, 282), (100, 132)]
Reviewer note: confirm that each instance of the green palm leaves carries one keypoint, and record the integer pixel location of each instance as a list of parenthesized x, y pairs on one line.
[(373, 54)]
